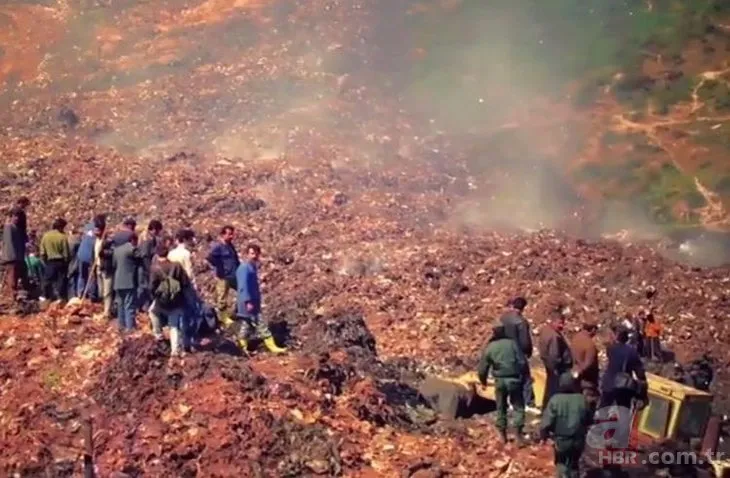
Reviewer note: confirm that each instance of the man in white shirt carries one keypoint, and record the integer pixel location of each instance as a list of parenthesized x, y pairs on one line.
[(181, 255)]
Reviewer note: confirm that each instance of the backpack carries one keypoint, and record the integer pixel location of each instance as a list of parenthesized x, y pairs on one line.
[(167, 292)]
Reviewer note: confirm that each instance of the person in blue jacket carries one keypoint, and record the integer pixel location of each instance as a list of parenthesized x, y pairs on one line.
[(623, 359), (248, 307), (223, 258), (86, 255)]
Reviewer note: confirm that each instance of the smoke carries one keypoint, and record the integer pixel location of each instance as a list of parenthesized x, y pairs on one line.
[(254, 80)]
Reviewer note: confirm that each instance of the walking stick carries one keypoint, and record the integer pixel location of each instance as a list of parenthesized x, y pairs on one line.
[(92, 273)]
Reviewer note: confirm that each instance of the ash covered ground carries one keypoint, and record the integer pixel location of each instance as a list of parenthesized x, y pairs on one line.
[(388, 248)]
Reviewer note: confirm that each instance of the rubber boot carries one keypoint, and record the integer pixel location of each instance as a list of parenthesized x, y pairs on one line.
[(226, 320), (520, 439), (503, 436), (243, 345), (272, 347)]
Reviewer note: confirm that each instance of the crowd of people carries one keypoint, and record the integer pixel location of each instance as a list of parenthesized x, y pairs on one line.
[(574, 386), (131, 273)]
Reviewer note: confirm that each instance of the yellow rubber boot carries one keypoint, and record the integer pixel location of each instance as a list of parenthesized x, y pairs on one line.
[(226, 320), (272, 347), (243, 345)]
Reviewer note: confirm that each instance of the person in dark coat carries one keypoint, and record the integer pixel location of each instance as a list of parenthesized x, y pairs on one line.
[(585, 354), (125, 264), (104, 273), (517, 328), (147, 250), (74, 243), (125, 234), (508, 364), (13, 257), (22, 205), (555, 355), (567, 418), (224, 259), (701, 373), (172, 307), (635, 329), (622, 358)]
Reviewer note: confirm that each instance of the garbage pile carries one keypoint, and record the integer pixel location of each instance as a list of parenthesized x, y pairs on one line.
[(372, 298), (333, 408)]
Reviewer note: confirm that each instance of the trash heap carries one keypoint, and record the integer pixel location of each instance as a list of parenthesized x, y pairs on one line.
[(331, 408)]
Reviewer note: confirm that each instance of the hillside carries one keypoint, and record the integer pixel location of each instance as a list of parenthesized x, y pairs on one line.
[(407, 168)]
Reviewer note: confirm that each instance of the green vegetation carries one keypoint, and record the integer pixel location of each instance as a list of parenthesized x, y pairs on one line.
[(504, 51), (667, 187), (716, 94), (567, 38), (626, 173), (723, 186), (656, 192), (663, 97), (713, 134), (540, 46)]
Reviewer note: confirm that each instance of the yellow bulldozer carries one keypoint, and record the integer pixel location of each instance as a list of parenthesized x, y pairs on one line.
[(676, 413)]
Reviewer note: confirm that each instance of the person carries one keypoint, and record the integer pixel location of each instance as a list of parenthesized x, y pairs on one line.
[(653, 332), (517, 328), (34, 272), (623, 362), (567, 418), (555, 354), (125, 264), (633, 326), (74, 242), (104, 273), (22, 205), (702, 372), (32, 242), (13, 252), (56, 256), (147, 251), (224, 259), (168, 281), (586, 371), (248, 313), (125, 233), (88, 257), (182, 255), (503, 357)]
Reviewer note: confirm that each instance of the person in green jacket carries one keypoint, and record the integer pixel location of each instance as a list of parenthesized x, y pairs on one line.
[(34, 272), (567, 418), (507, 363), (56, 256)]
